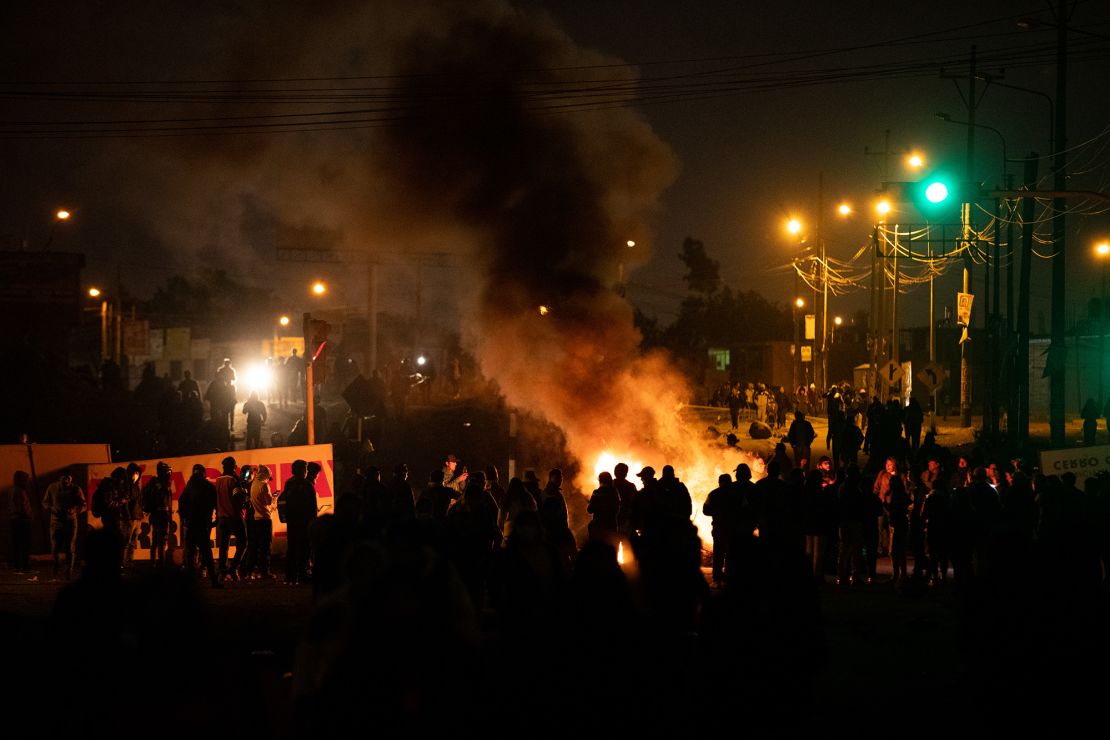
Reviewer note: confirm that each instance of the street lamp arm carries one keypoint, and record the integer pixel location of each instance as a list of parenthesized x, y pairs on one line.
[(1092, 194)]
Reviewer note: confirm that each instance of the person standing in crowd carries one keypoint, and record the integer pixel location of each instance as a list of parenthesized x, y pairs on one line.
[(734, 405), (196, 509), (493, 485), (135, 502), (722, 505), (158, 506), (555, 518), (261, 534), (300, 512), (453, 477), (110, 505), (517, 499), (229, 522), (604, 506), (626, 497), (914, 419), (65, 501), (188, 385), (255, 411), (20, 514), (800, 437)]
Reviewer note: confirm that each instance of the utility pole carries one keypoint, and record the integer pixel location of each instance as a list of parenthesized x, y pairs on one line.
[(969, 233), (823, 383), (309, 391), (1057, 353), (1021, 361)]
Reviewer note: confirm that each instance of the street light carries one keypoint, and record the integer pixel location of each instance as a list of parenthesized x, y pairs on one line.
[(94, 292), (844, 209), (794, 226), (60, 215), (319, 288), (620, 268), (882, 207), (284, 321), (915, 161), (1102, 254)]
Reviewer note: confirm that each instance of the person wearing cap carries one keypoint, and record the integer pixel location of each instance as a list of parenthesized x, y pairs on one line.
[(196, 508), (229, 510), (65, 501), (158, 506), (454, 478), (640, 502)]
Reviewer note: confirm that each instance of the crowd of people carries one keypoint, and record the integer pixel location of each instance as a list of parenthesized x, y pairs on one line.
[(410, 578)]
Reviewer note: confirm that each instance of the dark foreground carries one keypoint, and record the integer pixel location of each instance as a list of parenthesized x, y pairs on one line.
[(404, 655)]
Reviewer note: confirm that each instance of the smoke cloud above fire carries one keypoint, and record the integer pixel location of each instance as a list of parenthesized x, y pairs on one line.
[(481, 143), (549, 199)]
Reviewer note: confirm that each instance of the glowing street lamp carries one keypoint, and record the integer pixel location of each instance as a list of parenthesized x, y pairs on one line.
[(62, 215), (794, 226), (1102, 253), (544, 310), (915, 161), (319, 288), (844, 209), (883, 207), (800, 302), (94, 292), (284, 321)]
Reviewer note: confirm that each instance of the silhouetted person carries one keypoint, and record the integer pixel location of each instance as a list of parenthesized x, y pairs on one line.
[(261, 535), (197, 508), (64, 500), (158, 506), (801, 436), (914, 418), (110, 505), (517, 500), (555, 518), (231, 501), (300, 511), (852, 515), (255, 411), (20, 514), (604, 507), (432, 505), (473, 535), (723, 506)]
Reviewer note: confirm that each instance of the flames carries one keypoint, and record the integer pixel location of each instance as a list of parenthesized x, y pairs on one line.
[(698, 466)]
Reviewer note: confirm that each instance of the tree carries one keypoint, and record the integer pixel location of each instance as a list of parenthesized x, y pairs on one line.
[(703, 274)]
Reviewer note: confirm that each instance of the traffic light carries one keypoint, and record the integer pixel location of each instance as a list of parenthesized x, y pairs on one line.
[(938, 190)]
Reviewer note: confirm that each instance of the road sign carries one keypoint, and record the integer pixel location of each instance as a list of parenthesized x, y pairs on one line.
[(932, 376), (807, 353), (891, 373)]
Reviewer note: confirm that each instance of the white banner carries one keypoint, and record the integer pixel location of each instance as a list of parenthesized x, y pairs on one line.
[(1083, 461), (278, 459)]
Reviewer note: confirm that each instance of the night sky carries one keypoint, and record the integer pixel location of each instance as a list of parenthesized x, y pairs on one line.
[(748, 103)]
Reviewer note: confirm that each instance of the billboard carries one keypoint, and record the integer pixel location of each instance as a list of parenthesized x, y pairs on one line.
[(278, 459)]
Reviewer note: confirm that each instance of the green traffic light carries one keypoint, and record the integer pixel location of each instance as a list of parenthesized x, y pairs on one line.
[(936, 192)]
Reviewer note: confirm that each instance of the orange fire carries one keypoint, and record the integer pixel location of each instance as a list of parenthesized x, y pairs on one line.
[(620, 554), (697, 466)]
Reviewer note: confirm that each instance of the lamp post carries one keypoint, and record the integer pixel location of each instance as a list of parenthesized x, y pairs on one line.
[(60, 216), (1102, 253)]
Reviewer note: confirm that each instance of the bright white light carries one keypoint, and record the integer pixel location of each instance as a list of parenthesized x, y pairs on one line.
[(630, 243), (258, 377), (794, 226), (936, 192), (284, 321), (62, 215), (94, 292), (421, 360)]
